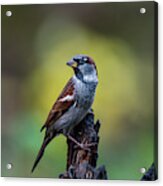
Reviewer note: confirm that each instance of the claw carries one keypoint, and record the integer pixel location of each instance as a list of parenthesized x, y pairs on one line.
[(90, 144), (81, 145)]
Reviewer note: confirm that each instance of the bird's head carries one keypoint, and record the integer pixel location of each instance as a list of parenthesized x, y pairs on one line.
[(84, 68)]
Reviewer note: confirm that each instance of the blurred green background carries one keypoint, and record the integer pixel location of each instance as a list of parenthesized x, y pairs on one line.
[(37, 41)]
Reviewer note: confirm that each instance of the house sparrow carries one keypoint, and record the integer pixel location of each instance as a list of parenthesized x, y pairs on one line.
[(73, 103)]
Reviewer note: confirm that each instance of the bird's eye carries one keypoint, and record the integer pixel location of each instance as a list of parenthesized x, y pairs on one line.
[(85, 59)]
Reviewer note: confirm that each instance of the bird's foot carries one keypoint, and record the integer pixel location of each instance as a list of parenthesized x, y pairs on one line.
[(87, 146), (90, 144), (81, 145)]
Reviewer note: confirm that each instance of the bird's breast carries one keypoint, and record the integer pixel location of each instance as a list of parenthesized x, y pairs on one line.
[(85, 95)]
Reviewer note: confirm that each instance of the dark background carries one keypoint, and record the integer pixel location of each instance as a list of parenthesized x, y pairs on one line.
[(37, 41)]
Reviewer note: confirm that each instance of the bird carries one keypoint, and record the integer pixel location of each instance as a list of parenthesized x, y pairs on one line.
[(73, 103)]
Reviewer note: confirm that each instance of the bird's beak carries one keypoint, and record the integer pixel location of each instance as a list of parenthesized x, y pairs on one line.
[(72, 64)]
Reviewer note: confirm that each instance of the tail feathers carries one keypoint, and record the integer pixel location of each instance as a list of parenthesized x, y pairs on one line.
[(42, 128), (41, 152)]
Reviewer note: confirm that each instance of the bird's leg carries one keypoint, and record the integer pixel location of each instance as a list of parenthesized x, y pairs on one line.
[(81, 145), (75, 141), (88, 144)]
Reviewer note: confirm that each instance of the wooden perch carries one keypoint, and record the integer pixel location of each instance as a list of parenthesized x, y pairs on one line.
[(151, 174), (81, 164)]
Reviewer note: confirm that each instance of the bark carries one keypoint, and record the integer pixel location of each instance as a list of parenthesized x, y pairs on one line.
[(151, 174), (81, 163)]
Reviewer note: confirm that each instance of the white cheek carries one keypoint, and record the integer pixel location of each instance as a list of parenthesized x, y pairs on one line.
[(91, 77)]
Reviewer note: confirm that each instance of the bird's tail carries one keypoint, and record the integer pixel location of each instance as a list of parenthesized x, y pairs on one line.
[(46, 141)]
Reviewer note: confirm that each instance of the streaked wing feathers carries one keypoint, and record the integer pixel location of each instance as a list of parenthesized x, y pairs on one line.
[(62, 104)]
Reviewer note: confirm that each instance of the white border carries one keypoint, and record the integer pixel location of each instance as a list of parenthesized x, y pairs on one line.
[(51, 182), (58, 1)]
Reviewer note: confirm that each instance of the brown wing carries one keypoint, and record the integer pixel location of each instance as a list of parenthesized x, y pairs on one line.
[(60, 107)]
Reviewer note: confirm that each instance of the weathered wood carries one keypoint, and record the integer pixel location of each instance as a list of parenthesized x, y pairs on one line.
[(151, 174), (81, 163)]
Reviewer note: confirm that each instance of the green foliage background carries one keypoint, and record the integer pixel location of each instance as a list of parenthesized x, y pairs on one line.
[(37, 41)]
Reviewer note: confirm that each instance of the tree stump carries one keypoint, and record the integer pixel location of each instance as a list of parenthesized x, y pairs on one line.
[(81, 163), (151, 174)]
